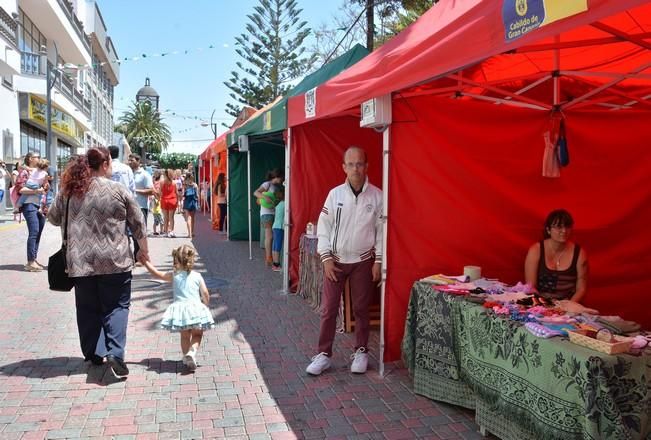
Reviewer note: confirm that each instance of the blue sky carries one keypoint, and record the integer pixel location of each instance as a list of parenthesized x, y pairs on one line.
[(190, 84)]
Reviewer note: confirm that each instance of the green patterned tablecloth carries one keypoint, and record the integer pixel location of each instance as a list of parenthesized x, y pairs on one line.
[(522, 386)]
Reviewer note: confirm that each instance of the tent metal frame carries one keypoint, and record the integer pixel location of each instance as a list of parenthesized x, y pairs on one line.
[(518, 98)]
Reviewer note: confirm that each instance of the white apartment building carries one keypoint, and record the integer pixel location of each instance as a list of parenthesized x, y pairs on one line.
[(70, 36)]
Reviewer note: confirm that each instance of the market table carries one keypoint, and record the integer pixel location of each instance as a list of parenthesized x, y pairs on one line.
[(522, 386)]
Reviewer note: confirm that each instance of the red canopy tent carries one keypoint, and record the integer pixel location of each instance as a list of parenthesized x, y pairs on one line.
[(470, 105)]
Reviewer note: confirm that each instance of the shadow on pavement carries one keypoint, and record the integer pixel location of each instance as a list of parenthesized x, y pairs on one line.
[(16, 267)]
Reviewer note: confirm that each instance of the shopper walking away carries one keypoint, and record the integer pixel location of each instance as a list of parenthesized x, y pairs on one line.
[(99, 259), (189, 313), (190, 203), (156, 210), (220, 191), (168, 202)]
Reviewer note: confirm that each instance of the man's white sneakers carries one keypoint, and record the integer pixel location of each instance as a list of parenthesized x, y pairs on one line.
[(360, 361), (319, 364)]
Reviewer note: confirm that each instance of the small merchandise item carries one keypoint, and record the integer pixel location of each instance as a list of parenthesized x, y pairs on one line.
[(618, 325), (264, 203), (602, 341), (472, 272), (541, 331)]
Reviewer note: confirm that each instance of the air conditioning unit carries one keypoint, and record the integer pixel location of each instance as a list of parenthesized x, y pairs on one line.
[(376, 112), (243, 143)]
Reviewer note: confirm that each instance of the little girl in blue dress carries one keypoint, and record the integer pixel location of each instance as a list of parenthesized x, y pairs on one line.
[(188, 314)]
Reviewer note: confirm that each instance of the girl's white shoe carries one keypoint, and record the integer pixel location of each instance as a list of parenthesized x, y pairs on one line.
[(190, 361)]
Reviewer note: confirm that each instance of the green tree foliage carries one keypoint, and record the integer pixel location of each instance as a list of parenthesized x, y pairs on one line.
[(272, 55), (141, 123), (412, 10), (176, 161)]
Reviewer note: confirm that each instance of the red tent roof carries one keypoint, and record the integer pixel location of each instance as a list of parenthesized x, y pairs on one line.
[(463, 44)]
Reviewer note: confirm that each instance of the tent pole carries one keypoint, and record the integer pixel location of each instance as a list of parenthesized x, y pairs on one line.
[(228, 196), (386, 143), (212, 204), (556, 76), (503, 101), (504, 92), (615, 81), (248, 185), (286, 225)]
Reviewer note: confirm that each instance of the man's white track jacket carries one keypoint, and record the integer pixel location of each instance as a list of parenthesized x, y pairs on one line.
[(350, 228)]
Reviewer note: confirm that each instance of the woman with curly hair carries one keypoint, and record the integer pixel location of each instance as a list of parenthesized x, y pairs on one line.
[(99, 258)]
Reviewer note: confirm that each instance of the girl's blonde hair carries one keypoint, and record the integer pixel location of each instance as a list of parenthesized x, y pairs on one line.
[(183, 257)]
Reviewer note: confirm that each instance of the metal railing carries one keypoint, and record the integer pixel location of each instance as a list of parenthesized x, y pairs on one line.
[(8, 27), (69, 11), (67, 87), (32, 63)]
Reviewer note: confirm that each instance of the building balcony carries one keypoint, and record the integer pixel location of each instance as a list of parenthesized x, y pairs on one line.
[(8, 27), (77, 25), (57, 21), (32, 64), (9, 55)]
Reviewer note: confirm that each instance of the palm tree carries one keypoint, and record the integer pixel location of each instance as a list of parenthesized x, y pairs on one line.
[(143, 127)]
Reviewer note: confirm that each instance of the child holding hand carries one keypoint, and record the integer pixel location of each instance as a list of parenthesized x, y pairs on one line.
[(188, 314)]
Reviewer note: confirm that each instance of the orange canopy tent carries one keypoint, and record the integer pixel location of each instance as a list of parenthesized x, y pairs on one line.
[(214, 162), (473, 85)]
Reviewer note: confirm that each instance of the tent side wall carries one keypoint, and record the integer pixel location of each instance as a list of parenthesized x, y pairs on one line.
[(316, 161), (466, 188), (264, 157)]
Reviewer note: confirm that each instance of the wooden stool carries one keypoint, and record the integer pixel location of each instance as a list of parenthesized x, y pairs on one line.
[(349, 317)]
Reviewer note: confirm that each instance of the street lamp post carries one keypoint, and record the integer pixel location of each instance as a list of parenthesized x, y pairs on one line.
[(50, 80), (213, 125)]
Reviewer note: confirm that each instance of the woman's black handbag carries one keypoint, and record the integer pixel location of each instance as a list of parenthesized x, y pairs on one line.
[(57, 270)]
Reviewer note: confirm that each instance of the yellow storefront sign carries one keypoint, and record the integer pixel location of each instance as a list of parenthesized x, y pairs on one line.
[(62, 122)]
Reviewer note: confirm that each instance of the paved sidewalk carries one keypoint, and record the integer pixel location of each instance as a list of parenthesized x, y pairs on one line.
[(251, 381)]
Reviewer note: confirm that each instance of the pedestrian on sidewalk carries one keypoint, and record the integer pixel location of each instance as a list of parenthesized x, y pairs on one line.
[(30, 206), (168, 202), (349, 243), (178, 181), (220, 191), (278, 229), (189, 313), (13, 193), (98, 258), (156, 210), (264, 194), (144, 188), (190, 202), (122, 173), (3, 183)]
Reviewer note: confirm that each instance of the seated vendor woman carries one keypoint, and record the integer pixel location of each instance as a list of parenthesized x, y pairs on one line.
[(556, 266)]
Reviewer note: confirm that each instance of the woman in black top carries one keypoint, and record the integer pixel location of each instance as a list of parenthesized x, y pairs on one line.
[(556, 266)]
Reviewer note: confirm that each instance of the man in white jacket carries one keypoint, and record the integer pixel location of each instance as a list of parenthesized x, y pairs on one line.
[(350, 246)]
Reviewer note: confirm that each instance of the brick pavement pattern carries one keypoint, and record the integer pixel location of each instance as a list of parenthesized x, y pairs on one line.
[(250, 383)]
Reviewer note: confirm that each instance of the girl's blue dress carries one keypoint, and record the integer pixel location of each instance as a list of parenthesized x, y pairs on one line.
[(187, 311)]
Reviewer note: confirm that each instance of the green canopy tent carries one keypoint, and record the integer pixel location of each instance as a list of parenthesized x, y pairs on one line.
[(264, 134)]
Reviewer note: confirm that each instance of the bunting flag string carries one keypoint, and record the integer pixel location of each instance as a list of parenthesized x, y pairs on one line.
[(143, 56)]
